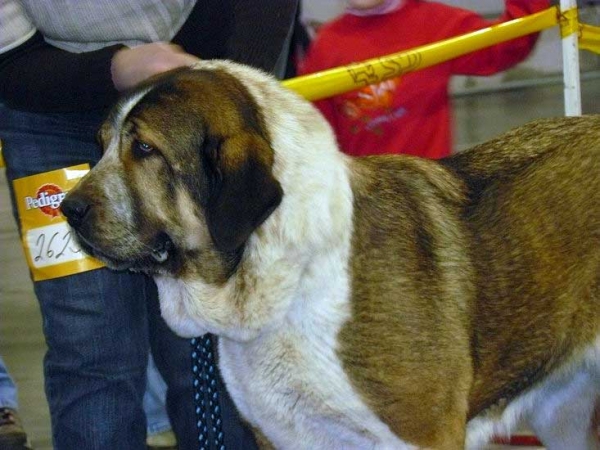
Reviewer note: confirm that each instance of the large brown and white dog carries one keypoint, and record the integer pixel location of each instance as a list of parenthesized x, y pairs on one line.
[(371, 303)]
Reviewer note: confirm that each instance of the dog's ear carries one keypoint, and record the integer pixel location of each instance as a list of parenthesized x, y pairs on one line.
[(242, 189)]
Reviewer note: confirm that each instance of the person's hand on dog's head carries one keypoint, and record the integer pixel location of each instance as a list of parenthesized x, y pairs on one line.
[(133, 65)]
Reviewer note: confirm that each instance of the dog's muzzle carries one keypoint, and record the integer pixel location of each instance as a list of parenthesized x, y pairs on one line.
[(79, 212), (75, 209)]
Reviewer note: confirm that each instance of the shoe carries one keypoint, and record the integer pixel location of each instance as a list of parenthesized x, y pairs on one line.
[(12, 434), (160, 441)]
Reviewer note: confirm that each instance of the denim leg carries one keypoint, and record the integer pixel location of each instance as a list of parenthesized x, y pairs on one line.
[(155, 399), (95, 323), (8, 390), (172, 356), (95, 367)]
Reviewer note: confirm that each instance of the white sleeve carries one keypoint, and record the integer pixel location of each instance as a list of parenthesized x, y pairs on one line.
[(15, 26)]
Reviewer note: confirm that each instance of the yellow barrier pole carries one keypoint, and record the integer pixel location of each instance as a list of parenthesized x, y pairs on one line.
[(589, 38), (336, 81)]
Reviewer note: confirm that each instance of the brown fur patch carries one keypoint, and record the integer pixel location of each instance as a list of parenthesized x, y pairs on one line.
[(536, 251), (478, 299), (407, 344)]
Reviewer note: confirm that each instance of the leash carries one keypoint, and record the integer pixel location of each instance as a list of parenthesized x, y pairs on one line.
[(206, 394)]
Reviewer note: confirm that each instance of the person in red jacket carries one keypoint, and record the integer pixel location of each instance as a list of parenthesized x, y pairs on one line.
[(409, 114)]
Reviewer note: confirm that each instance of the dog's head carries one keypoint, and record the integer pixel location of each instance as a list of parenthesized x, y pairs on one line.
[(187, 170)]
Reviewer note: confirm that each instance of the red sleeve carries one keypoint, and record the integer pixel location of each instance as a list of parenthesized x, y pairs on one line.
[(501, 56), (317, 56)]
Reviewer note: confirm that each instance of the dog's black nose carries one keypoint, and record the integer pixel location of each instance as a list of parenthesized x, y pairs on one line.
[(75, 208)]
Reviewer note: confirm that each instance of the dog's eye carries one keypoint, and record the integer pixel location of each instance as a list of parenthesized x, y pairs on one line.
[(142, 147)]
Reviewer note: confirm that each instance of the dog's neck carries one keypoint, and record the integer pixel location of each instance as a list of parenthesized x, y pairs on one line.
[(290, 265), (302, 243)]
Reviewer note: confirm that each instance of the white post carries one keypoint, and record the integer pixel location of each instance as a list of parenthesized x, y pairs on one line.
[(571, 77)]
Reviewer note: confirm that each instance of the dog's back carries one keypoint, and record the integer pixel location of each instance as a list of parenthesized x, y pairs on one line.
[(534, 215), (505, 239), (521, 146)]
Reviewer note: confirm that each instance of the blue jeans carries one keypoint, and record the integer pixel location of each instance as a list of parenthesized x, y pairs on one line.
[(8, 390), (155, 399), (99, 325)]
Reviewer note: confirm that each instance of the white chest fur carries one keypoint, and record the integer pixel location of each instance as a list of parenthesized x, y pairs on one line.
[(289, 381), (299, 396)]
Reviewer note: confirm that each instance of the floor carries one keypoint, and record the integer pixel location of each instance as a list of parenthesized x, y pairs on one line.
[(478, 117)]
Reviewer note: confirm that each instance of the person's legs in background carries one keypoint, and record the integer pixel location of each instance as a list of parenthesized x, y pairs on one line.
[(95, 323), (160, 433), (12, 434), (8, 389)]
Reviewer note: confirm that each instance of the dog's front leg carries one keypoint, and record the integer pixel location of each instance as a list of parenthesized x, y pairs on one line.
[(564, 416), (261, 440)]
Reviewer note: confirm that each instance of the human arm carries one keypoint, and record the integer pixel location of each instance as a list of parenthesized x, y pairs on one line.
[(501, 56), (36, 76)]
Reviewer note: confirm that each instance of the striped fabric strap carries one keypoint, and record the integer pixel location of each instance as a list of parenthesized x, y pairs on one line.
[(206, 394)]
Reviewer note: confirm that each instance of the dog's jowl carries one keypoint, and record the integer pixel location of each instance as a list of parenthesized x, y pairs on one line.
[(376, 303)]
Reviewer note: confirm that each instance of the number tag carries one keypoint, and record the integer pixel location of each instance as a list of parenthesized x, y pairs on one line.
[(50, 249)]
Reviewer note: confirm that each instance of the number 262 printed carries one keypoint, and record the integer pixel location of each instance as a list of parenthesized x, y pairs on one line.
[(52, 244)]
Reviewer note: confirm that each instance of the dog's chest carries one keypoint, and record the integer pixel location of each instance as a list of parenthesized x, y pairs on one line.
[(292, 386)]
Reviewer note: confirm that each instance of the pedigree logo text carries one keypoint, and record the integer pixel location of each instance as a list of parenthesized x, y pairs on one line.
[(47, 199)]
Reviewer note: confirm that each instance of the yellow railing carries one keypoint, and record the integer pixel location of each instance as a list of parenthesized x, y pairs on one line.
[(589, 38), (336, 81)]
